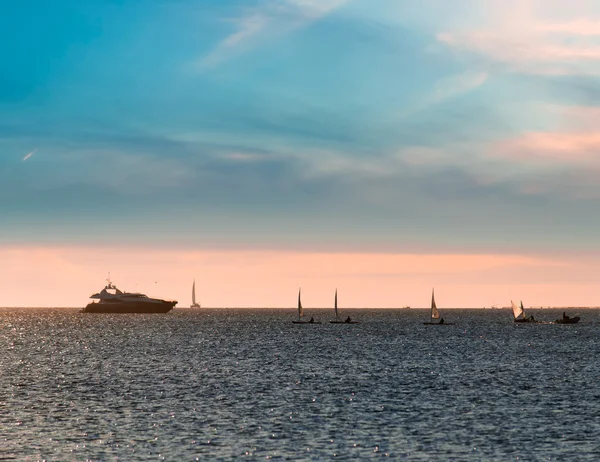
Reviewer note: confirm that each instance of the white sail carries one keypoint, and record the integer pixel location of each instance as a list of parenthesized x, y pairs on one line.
[(435, 314), (517, 311), (300, 309), (335, 305), (194, 303)]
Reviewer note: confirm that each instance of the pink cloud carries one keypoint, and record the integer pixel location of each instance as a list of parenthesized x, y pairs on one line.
[(66, 276), (571, 148), (526, 53), (527, 36), (583, 26), (576, 142)]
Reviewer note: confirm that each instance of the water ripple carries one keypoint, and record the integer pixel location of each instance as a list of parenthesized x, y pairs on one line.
[(194, 384)]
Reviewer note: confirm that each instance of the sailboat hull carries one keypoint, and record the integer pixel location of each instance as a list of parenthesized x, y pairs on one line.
[(344, 322), (306, 322), (438, 324)]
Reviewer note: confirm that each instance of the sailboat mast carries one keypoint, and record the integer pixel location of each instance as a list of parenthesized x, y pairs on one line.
[(335, 305)]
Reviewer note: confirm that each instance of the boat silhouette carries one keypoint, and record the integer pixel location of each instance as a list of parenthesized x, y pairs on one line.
[(435, 314), (112, 300), (301, 313), (194, 304), (337, 319)]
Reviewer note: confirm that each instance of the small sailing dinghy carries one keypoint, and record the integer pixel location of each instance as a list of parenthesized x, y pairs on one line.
[(337, 319), (301, 313), (435, 314), (194, 304), (519, 313)]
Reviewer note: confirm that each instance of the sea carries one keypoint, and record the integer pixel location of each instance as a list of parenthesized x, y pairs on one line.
[(225, 384)]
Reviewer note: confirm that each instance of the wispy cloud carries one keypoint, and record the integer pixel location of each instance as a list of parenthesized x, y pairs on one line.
[(29, 155), (528, 54), (456, 85), (270, 19), (575, 143), (584, 26), (245, 157), (529, 41), (248, 28), (561, 147)]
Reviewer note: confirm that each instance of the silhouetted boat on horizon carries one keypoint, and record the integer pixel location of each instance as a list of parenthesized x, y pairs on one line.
[(301, 313), (567, 319), (112, 300), (435, 314), (337, 315), (194, 304), (519, 313)]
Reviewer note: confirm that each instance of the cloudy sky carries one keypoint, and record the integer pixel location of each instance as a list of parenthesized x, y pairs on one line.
[(379, 146)]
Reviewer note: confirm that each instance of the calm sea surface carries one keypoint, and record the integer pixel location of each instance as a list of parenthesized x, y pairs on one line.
[(225, 384)]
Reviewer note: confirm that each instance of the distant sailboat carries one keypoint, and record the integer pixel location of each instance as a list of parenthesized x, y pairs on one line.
[(435, 314), (519, 313), (301, 313), (194, 304), (337, 315)]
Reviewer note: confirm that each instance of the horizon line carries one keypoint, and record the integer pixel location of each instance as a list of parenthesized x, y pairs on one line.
[(186, 308)]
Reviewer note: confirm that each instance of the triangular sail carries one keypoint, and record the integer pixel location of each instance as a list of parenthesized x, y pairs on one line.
[(335, 305), (517, 311), (194, 293), (435, 314), (300, 309)]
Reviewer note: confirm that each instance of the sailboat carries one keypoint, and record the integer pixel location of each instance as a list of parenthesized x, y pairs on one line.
[(435, 314), (337, 319), (301, 313), (194, 304), (519, 313)]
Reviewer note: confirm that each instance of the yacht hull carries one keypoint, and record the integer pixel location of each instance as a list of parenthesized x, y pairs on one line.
[(129, 307)]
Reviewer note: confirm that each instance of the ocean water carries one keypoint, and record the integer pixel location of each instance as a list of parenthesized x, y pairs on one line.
[(232, 384)]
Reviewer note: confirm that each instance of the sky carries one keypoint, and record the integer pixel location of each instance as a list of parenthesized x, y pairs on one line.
[(383, 147)]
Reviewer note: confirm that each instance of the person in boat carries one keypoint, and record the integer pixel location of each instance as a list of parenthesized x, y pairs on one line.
[(565, 317), (442, 321), (531, 318), (347, 319), (312, 319)]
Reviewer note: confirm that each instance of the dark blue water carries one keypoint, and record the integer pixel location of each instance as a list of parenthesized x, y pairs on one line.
[(225, 384)]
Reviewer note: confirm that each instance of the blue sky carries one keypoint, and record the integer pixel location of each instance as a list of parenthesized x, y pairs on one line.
[(301, 124)]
